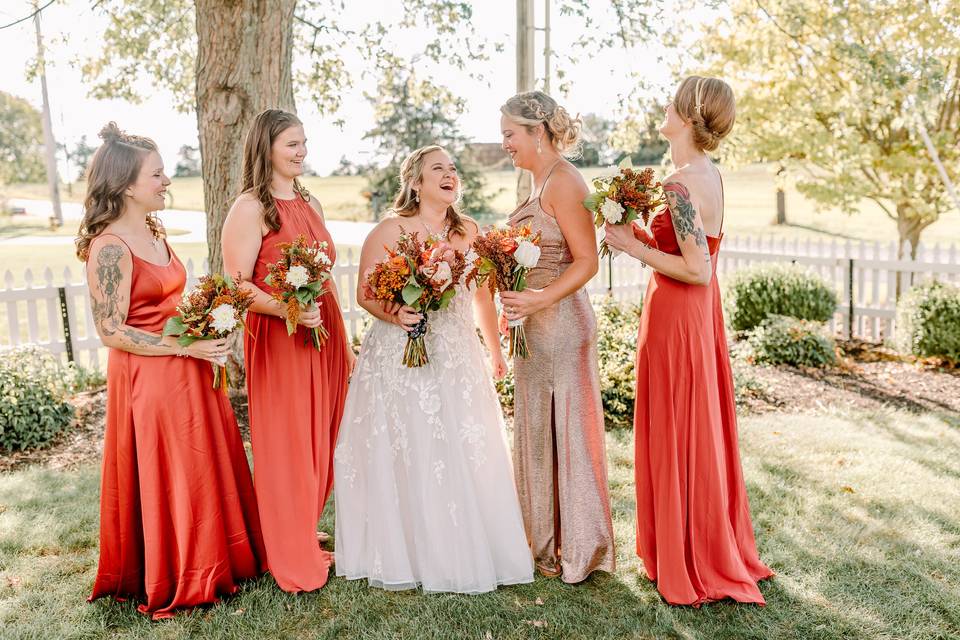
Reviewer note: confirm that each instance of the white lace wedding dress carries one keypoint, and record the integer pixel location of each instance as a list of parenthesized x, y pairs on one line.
[(424, 484)]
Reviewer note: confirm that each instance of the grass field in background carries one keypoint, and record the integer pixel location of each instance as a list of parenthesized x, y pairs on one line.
[(856, 511), (750, 209)]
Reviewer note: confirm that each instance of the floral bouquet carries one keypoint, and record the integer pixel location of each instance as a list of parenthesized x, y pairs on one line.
[(420, 275), (211, 310), (623, 198), (505, 256), (298, 280)]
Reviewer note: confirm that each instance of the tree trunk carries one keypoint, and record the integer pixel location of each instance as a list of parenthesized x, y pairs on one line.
[(243, 67), (909, 227)]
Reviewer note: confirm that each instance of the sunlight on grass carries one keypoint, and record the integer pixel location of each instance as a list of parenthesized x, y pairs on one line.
[(856, 511)]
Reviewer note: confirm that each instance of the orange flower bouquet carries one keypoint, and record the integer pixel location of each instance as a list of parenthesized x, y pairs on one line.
[(298, 279), (421, 275), (504, 257), (211, 310), (623, 198)]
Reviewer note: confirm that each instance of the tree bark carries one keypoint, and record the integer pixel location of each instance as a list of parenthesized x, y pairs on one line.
[(244, 62)]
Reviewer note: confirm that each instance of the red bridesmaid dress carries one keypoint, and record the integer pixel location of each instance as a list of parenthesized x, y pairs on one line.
[(178, 518), (694, 532), (296, 397)]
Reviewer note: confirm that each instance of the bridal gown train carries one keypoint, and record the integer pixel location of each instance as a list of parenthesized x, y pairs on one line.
[(425, 493)]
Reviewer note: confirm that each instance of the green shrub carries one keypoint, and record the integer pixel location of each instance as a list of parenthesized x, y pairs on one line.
[(33, 391), (928, 321), (786, 340), (777, 289), (617, 350)]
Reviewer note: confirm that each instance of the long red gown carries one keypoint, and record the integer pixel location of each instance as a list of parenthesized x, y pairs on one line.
[(694, 532), (178, 518), (296, 397)]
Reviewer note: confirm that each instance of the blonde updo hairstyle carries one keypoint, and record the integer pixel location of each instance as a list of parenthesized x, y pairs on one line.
[(405, 203), (709, 105), (114, 167), (533, 108)]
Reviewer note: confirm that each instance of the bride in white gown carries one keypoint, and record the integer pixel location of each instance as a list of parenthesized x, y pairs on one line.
[(424, 484)]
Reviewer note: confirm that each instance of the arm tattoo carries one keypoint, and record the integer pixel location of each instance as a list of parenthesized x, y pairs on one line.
[(684, 216), (106, 312), (138, 337)]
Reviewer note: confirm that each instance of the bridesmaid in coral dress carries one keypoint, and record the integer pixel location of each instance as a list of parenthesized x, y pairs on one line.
[(178, 519), (296, 393), (694, 531), (559, 448)]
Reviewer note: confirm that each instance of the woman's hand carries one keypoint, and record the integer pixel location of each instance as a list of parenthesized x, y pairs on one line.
[(389, 306), (520, 304), (351, 359), (213, 351), (499, 363), (620, 236), (310, 317), (408, 318)]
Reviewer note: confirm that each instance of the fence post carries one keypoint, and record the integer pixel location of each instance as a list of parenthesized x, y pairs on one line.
[(850, 299), (65, 319)]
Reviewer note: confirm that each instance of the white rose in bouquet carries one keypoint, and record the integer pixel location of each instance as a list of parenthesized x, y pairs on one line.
[(527, 254), (612, 211), (224, 318), (297, 276)]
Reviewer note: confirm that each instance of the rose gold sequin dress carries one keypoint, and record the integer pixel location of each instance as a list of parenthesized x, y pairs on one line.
[(559, 451)]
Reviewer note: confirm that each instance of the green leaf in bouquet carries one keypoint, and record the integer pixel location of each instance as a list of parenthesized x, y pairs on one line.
[(630, 216), (446, 297), (593, 201), (229, 281), (411, 293), (186, 340), (174, 326), (269, 280), (304, 296)]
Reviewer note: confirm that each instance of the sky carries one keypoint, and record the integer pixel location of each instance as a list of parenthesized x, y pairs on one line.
[(71, 29)]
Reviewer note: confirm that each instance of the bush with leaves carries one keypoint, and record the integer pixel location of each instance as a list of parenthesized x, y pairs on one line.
[(777, 289), (928, 321), (33, 397), (786, 340)]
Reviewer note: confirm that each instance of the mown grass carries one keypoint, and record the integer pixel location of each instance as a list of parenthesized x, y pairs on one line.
[(857, 511)]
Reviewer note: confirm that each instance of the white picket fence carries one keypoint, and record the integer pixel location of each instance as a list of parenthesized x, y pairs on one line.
[(866, 277)]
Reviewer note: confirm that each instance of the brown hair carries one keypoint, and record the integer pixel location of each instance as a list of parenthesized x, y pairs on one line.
[(405, 203), (256, 174), (709, 104), (535, 107), (113, 168)]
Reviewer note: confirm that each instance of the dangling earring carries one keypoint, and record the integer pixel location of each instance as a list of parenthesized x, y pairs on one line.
[(416, 196), (539, 150)]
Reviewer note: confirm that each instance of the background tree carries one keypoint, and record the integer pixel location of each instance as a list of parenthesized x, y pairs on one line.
[(412, 113), (595, 138), (21, 141), (188, 164), (835, 91)]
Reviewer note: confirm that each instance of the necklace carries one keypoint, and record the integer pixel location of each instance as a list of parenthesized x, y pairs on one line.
[(438, 236)]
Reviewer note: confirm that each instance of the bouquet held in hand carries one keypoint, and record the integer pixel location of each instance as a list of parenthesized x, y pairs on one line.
[(623, 198), (298, 279)]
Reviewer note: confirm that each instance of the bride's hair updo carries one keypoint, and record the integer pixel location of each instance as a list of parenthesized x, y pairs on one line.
[(708, 103), (113, 168), (405, 203), (535, 107)]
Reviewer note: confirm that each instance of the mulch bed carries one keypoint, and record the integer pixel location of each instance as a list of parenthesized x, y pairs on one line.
[(869, 377)]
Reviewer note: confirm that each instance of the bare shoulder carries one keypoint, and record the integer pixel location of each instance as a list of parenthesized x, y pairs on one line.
[(389, 227), (246, 207), (472, 227), (565, 185), (316, 206), (108, 247), (109, 257)]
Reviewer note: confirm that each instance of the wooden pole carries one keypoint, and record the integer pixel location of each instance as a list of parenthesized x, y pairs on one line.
[(50, 144)]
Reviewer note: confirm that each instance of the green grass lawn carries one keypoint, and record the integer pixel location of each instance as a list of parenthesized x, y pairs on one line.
[(856, 510)]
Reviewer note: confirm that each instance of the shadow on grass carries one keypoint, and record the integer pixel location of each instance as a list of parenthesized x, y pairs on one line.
[(848, 567)]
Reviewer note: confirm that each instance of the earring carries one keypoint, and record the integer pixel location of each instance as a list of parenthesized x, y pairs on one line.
[(539, 150), (416, 196)]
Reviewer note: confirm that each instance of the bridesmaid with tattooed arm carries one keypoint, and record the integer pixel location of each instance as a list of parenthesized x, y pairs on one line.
[(178, 519), (694, 532)]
